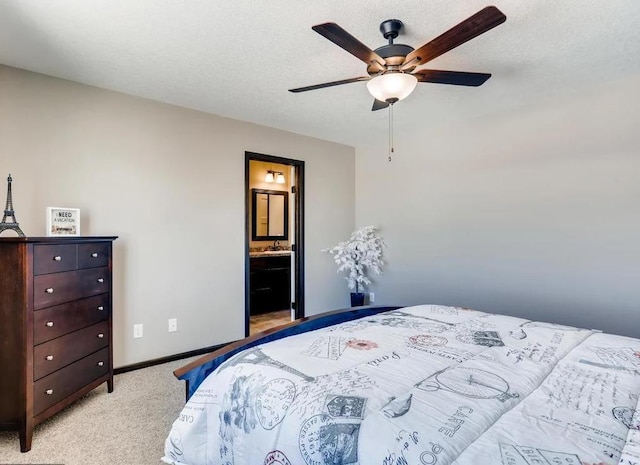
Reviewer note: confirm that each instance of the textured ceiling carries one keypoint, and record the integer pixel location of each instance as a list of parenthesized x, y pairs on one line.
[(238, 58)]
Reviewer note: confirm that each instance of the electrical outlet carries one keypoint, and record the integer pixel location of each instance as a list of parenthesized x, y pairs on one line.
[(372, 297), (137, 331), (173, 325)]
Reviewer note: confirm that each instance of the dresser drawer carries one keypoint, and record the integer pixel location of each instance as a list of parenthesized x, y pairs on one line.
[(58, 288), (93, 281), (57, 321), (53, 289), (62, 351), (62, 383), (93, 255), (54, 258)]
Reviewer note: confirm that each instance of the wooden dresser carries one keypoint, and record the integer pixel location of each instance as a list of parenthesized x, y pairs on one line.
[(55, 326)]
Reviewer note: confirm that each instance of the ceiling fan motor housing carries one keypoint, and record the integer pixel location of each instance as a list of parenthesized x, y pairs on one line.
[(393, 55)]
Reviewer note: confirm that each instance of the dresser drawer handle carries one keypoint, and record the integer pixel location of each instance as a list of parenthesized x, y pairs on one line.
[(49, 357), (49, 324), (94, 255), (49, 290), (57, 258), (100, 364), (100, 280), (101, 335), (100, 308), (48, 392)]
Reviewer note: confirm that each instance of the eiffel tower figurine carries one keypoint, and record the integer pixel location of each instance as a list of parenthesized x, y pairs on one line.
[(8, 212)]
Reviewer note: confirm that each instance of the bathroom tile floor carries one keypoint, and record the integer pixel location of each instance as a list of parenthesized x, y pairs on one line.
[(265, 321)]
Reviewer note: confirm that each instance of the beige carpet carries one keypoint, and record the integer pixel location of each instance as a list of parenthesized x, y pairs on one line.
[(128, 426)]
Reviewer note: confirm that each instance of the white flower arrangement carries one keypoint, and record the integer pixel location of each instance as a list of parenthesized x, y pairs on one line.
[(362, 252)]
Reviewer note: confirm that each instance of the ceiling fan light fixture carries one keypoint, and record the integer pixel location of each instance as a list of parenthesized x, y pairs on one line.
[(391, 87)]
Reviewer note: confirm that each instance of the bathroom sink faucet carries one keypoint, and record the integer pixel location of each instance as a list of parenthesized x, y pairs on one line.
[(276, 245)]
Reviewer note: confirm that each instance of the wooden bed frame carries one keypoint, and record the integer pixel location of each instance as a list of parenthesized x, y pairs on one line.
[(195, 372)]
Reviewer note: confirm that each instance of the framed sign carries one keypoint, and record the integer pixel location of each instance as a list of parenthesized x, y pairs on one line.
[(63, 221)]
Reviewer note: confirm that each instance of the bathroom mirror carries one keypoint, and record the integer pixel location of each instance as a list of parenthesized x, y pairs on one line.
[(269, 215)]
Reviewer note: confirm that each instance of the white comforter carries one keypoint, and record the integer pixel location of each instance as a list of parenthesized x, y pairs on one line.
[(423, 385)]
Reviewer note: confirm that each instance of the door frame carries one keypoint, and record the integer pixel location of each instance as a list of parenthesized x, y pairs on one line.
[(298, 233)]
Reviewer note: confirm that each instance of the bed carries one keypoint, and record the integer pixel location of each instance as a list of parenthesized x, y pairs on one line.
[(419, 385)]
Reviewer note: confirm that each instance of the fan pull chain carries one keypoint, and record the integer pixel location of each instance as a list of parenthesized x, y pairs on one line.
[(391, 150)]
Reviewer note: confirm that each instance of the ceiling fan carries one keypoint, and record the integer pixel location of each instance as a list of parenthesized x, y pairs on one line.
[(392, 73)]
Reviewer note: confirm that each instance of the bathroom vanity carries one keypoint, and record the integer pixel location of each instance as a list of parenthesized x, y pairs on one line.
[(270, 281)]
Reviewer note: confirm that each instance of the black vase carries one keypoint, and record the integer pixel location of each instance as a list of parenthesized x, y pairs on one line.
[(357, 299)]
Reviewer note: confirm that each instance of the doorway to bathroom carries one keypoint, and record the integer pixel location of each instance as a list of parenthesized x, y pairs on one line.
[(274, 241)]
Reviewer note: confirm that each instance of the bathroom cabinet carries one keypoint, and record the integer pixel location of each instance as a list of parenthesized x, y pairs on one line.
[(270, 283)]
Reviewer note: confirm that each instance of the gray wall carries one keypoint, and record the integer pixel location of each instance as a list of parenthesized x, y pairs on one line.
[(535, 213), (170, 183)]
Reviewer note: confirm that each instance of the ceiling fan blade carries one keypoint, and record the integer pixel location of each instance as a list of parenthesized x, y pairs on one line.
[(379, 105), (330, 84), (481, 22), (456, 78), (343, 39)]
